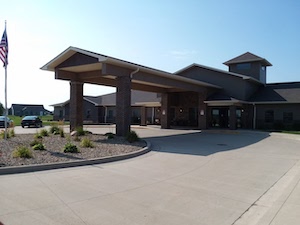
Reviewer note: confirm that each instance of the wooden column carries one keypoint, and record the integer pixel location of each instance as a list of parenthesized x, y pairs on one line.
[(123, 105), (76, 105), (202, 114), (143, 116), (165, 111), (232, 118)]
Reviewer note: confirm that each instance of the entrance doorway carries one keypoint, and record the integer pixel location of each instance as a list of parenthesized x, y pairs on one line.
[(220, 117)]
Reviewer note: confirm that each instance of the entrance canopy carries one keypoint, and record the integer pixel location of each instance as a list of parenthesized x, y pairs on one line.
[(89, 67), (80, 66)]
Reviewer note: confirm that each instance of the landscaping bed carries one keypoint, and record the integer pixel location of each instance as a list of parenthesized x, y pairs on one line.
[(103, 146)]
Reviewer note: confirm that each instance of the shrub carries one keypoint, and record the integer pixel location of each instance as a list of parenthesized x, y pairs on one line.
[(22, 152), (35, 142), (12, 132), (38, 146), (44, 133), (71, 148), (38, 136), (80, 131), (2, 134), (109, 135), (132, 137), (61, 132), (86, 143), (54, 130)]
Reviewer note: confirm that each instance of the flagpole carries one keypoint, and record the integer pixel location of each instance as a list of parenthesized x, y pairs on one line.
[(6, 113), (5, 90)]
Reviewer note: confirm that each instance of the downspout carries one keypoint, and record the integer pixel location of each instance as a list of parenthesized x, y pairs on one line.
[(254, 116), (134, 72)]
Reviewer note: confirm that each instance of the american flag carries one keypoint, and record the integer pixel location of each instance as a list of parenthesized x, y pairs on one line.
[(4, 49)]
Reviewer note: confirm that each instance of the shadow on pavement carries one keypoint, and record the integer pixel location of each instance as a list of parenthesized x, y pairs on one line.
[(205, 143)]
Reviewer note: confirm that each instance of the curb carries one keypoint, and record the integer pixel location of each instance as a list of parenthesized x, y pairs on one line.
[(61, 165)]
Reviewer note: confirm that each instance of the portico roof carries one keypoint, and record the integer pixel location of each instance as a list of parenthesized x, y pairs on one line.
[(95, 68)]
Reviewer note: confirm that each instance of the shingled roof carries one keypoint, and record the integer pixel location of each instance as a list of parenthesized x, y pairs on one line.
[(247, 57), (278, 92)]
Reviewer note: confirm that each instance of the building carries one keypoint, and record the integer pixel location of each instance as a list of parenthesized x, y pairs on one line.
[(27, 110), (102, 109), (196, 95)]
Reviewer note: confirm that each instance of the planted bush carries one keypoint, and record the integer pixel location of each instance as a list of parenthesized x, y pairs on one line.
[(54, 130), (38, 136), (22, 152), (2, 134), (70, 148), (86, 143), (61, 133), (109, 135), (132, 137), (39, 146), (35, 142), (80, 131), (44, 133), (12, 132)]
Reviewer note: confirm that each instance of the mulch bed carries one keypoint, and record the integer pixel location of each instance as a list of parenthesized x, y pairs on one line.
[(54, 144)]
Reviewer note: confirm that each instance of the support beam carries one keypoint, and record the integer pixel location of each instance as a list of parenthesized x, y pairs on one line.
[(202, 114), (76, 105), (143, 116), (232, 118), (123, 105), (165, 110)]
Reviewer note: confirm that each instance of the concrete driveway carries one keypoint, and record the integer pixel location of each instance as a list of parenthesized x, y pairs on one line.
[(190, 177)]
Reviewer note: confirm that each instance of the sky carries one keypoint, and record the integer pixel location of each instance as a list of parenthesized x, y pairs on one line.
[(163, 34)]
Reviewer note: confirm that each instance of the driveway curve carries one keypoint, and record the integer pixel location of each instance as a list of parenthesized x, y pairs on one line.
[(189, 177)]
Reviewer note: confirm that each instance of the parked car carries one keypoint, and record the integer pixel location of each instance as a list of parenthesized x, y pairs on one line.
[(31, 121), (2, 121)]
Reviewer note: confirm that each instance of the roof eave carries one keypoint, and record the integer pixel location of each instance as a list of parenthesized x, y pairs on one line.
[(275, 102), (265, 62), (50, 66)]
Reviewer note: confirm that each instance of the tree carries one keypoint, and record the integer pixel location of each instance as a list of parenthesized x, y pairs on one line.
[(1, 109)]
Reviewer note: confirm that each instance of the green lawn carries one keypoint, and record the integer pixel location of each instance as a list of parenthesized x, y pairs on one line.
[(47, 120)]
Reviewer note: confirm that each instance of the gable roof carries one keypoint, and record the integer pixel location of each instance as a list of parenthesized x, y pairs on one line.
[(247, 57), (50, 66), (24, 106), (20, 108), (244, 77), (278, 93)]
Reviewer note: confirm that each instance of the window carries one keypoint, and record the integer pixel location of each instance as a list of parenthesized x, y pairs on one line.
[(88, 113), (269, 116), (110, 113), (243, 66), (287, 117)]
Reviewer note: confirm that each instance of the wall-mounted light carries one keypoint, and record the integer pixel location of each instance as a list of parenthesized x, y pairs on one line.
[(180, 110), (202, 112)]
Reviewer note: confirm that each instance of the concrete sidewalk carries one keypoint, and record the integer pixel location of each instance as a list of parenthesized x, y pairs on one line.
[(190, 177)]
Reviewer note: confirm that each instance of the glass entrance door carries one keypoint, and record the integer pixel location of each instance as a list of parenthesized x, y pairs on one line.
[(220, 117)]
